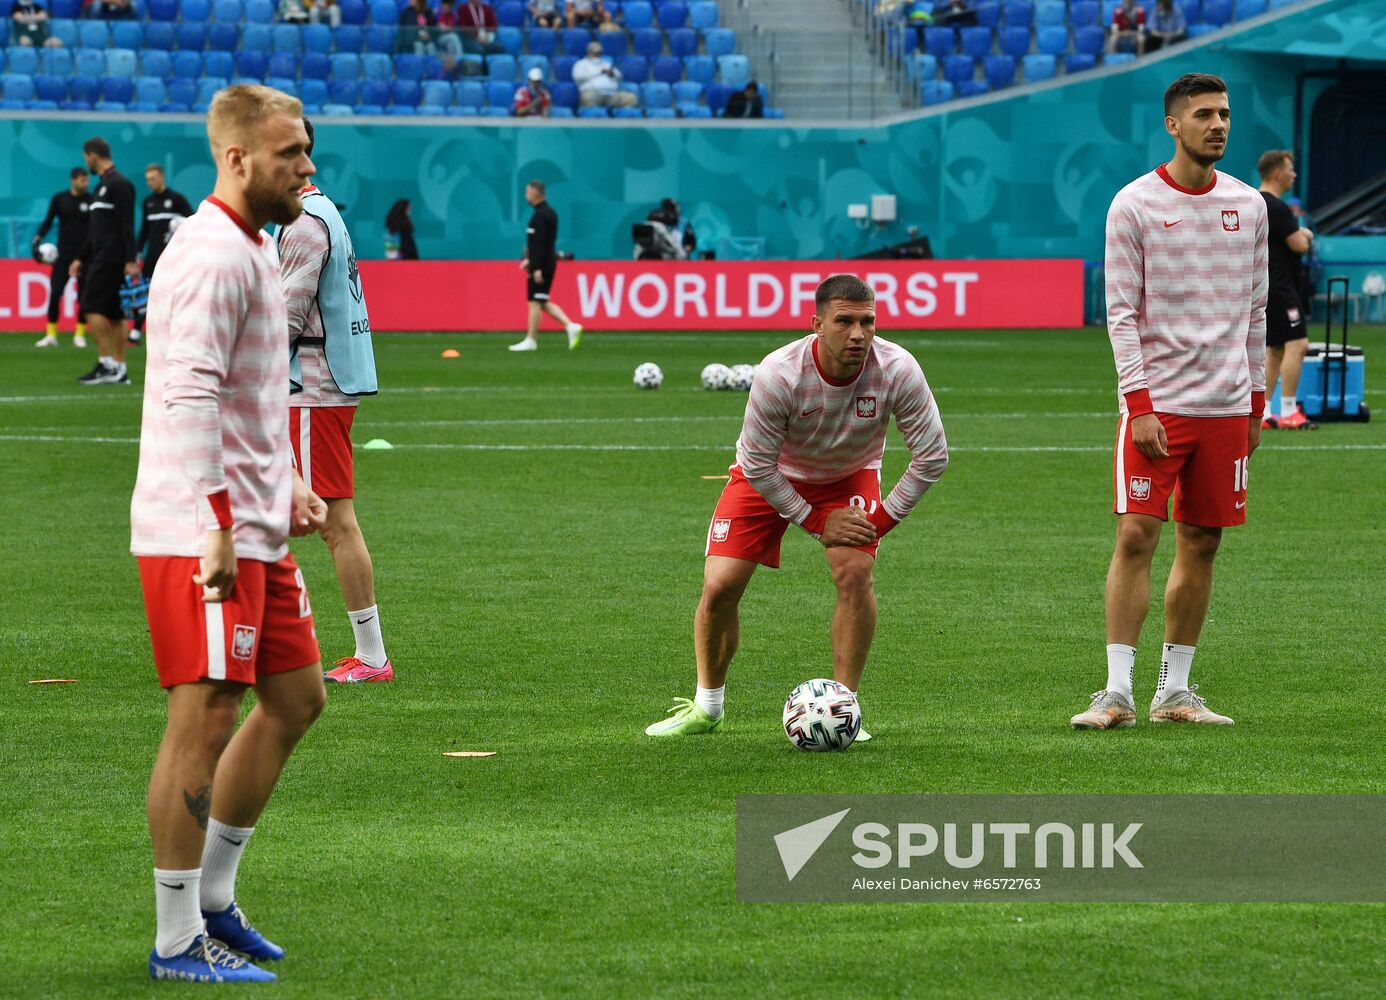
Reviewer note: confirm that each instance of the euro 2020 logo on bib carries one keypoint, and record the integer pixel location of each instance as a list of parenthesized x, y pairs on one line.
[(1140, 488)]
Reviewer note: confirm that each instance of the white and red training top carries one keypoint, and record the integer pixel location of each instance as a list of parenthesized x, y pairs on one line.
[(216, 394), (1187, 279), (802, 425)]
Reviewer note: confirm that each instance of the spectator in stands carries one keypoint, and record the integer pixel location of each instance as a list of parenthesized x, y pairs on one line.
[(1166, 27), (532, 100), (325, 10), (544, 13), (477, 23), (588, 14), (919, 15), (399, 232), (293, 12), (416, 24), (30, 24), (112, 10), (745, 103), (1128, 28), (448, 41), (599, 82), (957, 15)]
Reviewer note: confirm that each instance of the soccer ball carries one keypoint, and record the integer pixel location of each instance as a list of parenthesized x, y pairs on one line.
[(716, 376), (822, 715), (742, 376), (649, 376), (48, 253)]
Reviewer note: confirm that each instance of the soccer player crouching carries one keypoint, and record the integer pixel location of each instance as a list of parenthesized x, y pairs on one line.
[(215, 500), (1187, 282), (810, 454)]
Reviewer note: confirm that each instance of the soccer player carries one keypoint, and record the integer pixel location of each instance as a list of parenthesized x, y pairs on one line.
[(810, 454), (215, 499), (1287, 334), (331, 366), (1186, 312), (105, 259), (70, 209), (163, 207), (540, 262)]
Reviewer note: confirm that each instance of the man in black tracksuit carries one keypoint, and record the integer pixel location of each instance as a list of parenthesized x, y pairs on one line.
[(540, 263), (69, 209), (162, 209), (105, 260)]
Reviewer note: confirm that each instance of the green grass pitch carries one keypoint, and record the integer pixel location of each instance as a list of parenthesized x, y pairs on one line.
[(538, 533)]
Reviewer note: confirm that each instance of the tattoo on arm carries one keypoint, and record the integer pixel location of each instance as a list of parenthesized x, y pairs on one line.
[(199, 804)]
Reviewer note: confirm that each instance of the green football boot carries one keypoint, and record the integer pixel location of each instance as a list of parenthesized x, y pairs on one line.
[(687, 719)]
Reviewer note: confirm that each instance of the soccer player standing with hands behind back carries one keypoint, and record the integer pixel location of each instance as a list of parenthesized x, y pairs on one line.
[(1187, 284)]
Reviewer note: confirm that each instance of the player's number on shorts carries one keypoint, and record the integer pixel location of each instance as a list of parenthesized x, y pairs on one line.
[(304, 610), (1241, 470), (859, 502)]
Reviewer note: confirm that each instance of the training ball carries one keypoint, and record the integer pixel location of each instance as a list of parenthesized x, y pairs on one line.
[(649, 376), (48, 253), (822, 715), (742, 376), (716, 376)]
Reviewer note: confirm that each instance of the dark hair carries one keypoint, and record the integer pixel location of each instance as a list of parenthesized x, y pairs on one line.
[(1191, 85), (842, 286), (537, 185), (397, 219), (308, 127), (1271, 160), (98, 146), (76, 172)]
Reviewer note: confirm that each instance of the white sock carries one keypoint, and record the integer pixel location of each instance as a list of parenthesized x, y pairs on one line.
[(370, 647), (177, 904), (1287, 405), (573, 327), (1121, 662), (1175, 662), (710, 700), (120, 367), (221, 856), (105, 360)]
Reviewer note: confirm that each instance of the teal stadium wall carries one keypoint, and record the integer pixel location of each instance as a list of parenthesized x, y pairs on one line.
[(1030, 175)]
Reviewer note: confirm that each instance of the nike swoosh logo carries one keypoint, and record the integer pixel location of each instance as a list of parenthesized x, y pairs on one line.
[(1171, 225), (224, 837), (362, 621), (809, 413), (1241, 505), (167, 886)]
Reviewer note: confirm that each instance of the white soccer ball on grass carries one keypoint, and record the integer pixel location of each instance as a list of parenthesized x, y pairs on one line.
[(649, 376), (822, 715), (716, 376), (742, 376)]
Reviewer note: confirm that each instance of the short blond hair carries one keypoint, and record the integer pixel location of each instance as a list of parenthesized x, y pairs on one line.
[(236, 110)]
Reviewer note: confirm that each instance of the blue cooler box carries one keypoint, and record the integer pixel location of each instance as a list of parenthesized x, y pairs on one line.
[(1310, 393)]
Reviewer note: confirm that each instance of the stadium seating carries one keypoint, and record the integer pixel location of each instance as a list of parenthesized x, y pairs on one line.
[(1039, 66)]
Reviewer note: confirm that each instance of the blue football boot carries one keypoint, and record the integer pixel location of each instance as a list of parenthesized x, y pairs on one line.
[(231, 927), (207, 961)]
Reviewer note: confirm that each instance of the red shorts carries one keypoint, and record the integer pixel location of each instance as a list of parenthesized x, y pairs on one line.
[(321, 437), (264, 627), (1207, 461), (745, 526)]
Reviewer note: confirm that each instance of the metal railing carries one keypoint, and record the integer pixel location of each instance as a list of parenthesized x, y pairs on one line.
[(881, 23)]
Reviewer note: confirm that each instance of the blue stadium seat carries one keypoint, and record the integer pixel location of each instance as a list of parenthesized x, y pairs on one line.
[(1119, 59), (251, 63), (596, 112), (317, 38), (259, 37), (635, 69), (702, 69), (734, 70), (682, 42), (344, 91), (512, 40), (976, 42), (719, 41), (495, 111), (385, 12), (672, 15), (1078, 62), (432, 110), (150, 90), (563, 68), (1000, 71), (281, 64), (637, 14), (541, 63), (85, 89), (436, 92), (372, 110), (93, 34), (315, 66), (500, 93), (229, 11), (400, 110), (1052, 40), (346, 66), (192, 36), (702, 14), (159, 35), (90, 62), (182, 91), (1088, 40), (58, 62), (71, 9), (956, 69), (695, 111), (375, 92), (127, 34), (195, 11), (377, 66), (544, 41), (1084, 13), (561, 111), (287, 38), (1250, 8), (501, 67), (64, 30), (1217, 12), (1040, 66), (1015, 42), (1109, 8), (660, 113), (259, 11), (117, 88), (469, 93), (348, 38), (406, 92), (50, 88), (1196, 31), (510, 14), (111, 107), (353, 12), (921, 66), (1019, 15), (936, 92), (687, 92), (716, 95), (649, 42), (1191, 9), (22, 60), (313, 92), (565, 95), (575, 41), (163, 10), (187, 65), (667, 69), (380, 38), (940, 42), (337, 110), (1277, 4), (1049, 13), (409, 66), (989, 15), (972, 88), (615, 44), (223, 37)]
